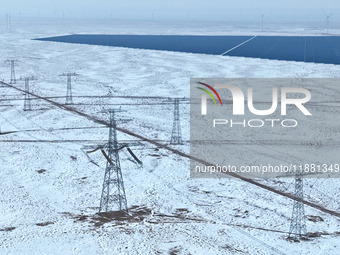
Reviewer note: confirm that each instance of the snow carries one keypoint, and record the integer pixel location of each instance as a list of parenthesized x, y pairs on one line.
[(222, 216)]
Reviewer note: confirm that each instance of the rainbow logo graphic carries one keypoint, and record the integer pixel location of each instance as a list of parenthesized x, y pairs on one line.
[(209, 93)]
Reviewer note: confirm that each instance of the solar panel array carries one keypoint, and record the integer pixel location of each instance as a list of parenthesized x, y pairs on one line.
[(317, 49)]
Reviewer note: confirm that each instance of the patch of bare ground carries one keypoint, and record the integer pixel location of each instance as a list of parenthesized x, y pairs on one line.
[(175, 251), (314, 218), (43, 224), (8, 229), (181, 215), (232, 249), (136, 214)]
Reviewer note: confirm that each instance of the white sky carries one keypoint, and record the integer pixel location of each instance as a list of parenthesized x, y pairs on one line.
[(236, 9)]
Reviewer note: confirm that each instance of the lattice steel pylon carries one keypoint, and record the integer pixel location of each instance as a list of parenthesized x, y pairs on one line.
[(69, 97), (176, 134), (297, 228), (27, 101), (113, 191), (113, 185), (12, 64)]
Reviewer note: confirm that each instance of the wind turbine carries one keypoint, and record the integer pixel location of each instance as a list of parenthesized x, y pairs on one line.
[(327, 19), (262, 19)]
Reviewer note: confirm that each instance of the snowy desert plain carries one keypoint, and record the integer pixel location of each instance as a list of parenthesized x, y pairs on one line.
[(50, 191)]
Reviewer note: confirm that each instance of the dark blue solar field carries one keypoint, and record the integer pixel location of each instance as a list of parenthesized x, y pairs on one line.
[(317, 49)]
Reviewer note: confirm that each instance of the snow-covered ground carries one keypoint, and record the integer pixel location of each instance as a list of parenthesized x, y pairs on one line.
[(49, 192)]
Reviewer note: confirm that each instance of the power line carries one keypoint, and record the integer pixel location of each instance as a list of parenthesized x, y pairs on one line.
[(176, 151)]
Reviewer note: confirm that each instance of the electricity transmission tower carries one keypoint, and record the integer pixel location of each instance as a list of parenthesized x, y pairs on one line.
[(113, 191), (12, 63), (69, 98), (297, 228), (27, 101), (113, 173), (176, 134)]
